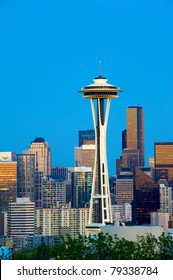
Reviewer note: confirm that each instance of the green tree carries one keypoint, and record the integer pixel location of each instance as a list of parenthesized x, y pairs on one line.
[(147, 248)]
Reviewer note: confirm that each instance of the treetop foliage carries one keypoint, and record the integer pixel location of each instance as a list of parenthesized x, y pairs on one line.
[(102, 247)]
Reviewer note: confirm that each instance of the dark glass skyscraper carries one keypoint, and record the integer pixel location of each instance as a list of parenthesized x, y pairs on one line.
[(146, 197), (135, 131), (86, 136), (26, 176)]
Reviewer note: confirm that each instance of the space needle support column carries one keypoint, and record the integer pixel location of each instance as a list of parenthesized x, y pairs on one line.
[(101, 93), (102, 161), (95, 161)]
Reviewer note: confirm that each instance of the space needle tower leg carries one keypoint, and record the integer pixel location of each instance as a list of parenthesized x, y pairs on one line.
[(100, 94)]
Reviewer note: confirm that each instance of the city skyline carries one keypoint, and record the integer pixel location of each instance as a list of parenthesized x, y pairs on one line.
[(48, 52)]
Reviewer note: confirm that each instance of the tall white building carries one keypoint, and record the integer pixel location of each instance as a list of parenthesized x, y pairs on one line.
[(165, 197), (21, 218)]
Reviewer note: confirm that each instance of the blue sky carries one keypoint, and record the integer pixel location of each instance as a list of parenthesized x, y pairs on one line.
[(50, 49)]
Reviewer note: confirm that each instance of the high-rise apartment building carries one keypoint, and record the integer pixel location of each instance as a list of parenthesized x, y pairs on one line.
[(146, 197), (53, 191), (61, 221), (86, 137), (41, 149), (163, 158), (21, 217), (81, 186), (26, 176), (135, 131)]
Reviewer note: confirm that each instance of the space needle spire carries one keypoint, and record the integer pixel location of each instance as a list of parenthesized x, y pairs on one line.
[(100, 94)]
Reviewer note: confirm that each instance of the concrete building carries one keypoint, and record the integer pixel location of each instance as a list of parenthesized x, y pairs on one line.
[(21, 217), (62, 221), (131, 233), (122, 212), (160, 219), (165, 197)]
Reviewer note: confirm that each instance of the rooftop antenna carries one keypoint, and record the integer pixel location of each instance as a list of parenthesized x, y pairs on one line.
[(100, 67)]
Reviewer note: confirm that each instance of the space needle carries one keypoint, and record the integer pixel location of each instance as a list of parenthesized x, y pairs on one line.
[(100, 94)]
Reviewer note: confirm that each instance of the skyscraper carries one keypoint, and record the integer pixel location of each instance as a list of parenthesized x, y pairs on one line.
[(124, 188), (124, 139), (26, 176), (163, 158), (41, 149), (86, 137), (8, 184), (84, 156), (100, 94), (81, 186), (135, 130), (146, 197), (21, 218), (53, 191), (130, 158), (165, 197)]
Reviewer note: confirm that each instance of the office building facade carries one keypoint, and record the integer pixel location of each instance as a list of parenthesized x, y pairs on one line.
[(124, 189), (86, 137), (26, 176), (42, 152), (53, 191), (82, 178), (21, 217), (165, 197), (163, 159), (135, 131), (85, 155)]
